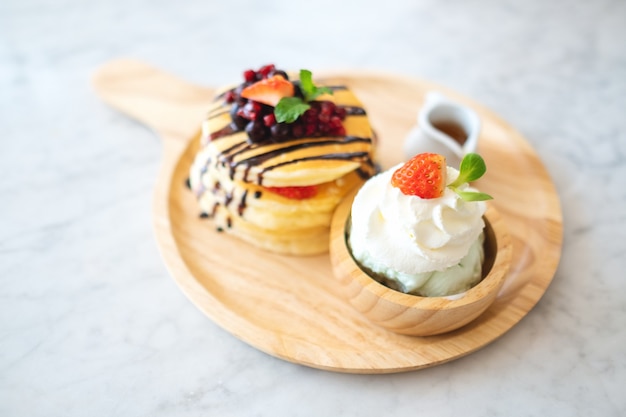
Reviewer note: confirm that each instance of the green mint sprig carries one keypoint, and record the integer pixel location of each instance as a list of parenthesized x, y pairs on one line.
[(310, 90), (472, 168), (289, 109)]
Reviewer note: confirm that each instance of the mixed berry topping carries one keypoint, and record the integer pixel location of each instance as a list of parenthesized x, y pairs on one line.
[(254, 104), (269, 90)]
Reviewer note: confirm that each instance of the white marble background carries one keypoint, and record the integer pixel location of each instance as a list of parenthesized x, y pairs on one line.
[(91, 324)]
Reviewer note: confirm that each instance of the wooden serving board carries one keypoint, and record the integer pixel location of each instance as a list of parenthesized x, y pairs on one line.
[(287, 306)]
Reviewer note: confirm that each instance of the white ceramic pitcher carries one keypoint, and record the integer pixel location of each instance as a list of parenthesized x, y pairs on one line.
[(444, 127)]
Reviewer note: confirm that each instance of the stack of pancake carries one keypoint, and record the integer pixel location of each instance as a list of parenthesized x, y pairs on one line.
[(280, 195)]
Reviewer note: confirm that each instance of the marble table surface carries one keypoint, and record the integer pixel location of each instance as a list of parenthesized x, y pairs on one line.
[(91, 323)]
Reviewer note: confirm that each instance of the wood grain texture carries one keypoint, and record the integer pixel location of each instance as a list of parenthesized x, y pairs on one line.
[(289, 307), (412, 315)]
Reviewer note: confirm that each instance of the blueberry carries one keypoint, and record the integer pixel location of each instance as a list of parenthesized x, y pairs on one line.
[(239, 122), (257, 131), (297, 90), (282, 73), (281, 131)]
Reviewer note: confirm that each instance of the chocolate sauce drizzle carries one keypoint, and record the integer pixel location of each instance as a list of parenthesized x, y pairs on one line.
[(228, 156), (225, 131), (354, 110), (242, 203)]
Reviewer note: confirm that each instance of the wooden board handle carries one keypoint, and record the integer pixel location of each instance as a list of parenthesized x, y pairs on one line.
[(168, 105)]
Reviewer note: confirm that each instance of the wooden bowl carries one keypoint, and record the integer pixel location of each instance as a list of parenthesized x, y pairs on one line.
[(410, 314)]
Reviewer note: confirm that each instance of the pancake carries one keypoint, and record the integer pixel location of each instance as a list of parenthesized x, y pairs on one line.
[(279, 193)]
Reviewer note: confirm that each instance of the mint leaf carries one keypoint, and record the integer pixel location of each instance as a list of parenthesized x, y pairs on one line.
[(306, 82), (473, 195), (472, 168), (289, 109), (311, 92)]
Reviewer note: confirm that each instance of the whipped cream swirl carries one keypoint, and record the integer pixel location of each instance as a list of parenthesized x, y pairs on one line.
[(430, 247)]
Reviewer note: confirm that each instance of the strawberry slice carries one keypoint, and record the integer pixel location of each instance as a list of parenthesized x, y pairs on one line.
[(269, 91), (424, 176), (295, 193)]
